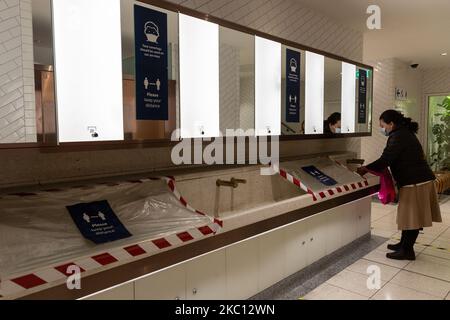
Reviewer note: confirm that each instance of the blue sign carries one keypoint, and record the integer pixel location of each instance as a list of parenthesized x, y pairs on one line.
[(362, 92), (152, 90), (293, 64), (319, 175), (98, 222)]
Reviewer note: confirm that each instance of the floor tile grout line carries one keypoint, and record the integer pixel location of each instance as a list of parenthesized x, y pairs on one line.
[(337, 287), (347, 289), (426, 276), (418, 291)]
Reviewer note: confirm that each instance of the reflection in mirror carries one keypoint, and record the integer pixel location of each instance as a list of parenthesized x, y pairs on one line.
[(364, 87), (43, 72), (237, 80), (292, 91), (148, 129), (332, 96)]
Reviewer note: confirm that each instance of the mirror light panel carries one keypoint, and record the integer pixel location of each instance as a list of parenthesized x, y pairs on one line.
[(314, 93), (348, 98), (199, 77), (88, 70), (267, 87)]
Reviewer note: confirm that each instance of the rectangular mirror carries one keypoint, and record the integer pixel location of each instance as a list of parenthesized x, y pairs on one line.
[(237, 81), (236, 97), (314, 92), (199, 77), (293, 91), (267, 87), (88, 86), (332, 96)]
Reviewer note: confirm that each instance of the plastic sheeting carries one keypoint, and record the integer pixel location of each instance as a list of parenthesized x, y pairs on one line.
[(329, 167), (38, 231)]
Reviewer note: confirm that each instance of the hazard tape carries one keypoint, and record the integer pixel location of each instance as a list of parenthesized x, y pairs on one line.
[(325, 194), (57, 274)]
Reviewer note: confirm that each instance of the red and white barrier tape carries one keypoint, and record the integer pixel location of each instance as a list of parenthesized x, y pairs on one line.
[(58, 274), (323, 195)]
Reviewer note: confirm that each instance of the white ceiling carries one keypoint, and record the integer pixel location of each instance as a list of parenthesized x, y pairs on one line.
[(415, 31)]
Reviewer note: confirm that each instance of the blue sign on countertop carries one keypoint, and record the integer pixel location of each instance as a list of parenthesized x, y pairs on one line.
[(319, 175), (293, 86), (98, 222), (152, 76)]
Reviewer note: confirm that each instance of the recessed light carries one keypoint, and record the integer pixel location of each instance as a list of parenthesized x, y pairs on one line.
[(444, 54)]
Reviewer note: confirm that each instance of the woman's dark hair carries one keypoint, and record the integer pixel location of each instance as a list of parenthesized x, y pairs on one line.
[(399, 120), (334, 118)]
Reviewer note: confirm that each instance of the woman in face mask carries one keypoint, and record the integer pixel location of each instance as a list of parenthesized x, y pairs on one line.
[(418, 203), (333, 123)]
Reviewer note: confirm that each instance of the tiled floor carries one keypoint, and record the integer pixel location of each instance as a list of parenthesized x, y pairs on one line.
[(427, 278)]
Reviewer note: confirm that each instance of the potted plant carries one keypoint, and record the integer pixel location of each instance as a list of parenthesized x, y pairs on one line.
[(441, 132)]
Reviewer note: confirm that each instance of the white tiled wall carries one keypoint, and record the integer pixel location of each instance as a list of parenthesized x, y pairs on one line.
[(384, 87), (286, 19), (17, 103), (392, 73)]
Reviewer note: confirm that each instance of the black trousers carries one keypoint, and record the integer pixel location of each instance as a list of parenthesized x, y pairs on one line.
[(409, 238)]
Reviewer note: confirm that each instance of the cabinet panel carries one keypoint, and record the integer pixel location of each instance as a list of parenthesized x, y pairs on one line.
[(333, 237), (125, 292), (363, 217), (168, 284), (206, 277), (295, 241), (316, 240), (271, 259), (348, 224), (242, 270)]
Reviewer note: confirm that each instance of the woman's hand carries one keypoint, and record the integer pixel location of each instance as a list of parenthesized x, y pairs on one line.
[(362, 171)]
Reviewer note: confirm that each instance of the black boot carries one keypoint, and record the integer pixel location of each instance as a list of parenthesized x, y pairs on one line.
[(398, 246), (406, 251)]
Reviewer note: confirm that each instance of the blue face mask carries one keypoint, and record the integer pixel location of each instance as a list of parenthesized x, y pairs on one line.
[(338, 130), (384, 132)]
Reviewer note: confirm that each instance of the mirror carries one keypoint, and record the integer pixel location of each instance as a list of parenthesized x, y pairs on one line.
[(332, 96), (292, 91), (237, 105), (237, 81), (142, 119)]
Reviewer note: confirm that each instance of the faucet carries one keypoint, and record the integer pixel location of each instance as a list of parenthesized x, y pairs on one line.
[(233, 183)]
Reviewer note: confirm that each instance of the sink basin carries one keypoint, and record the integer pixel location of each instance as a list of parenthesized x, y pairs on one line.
[(37, 231), (203, 194)]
